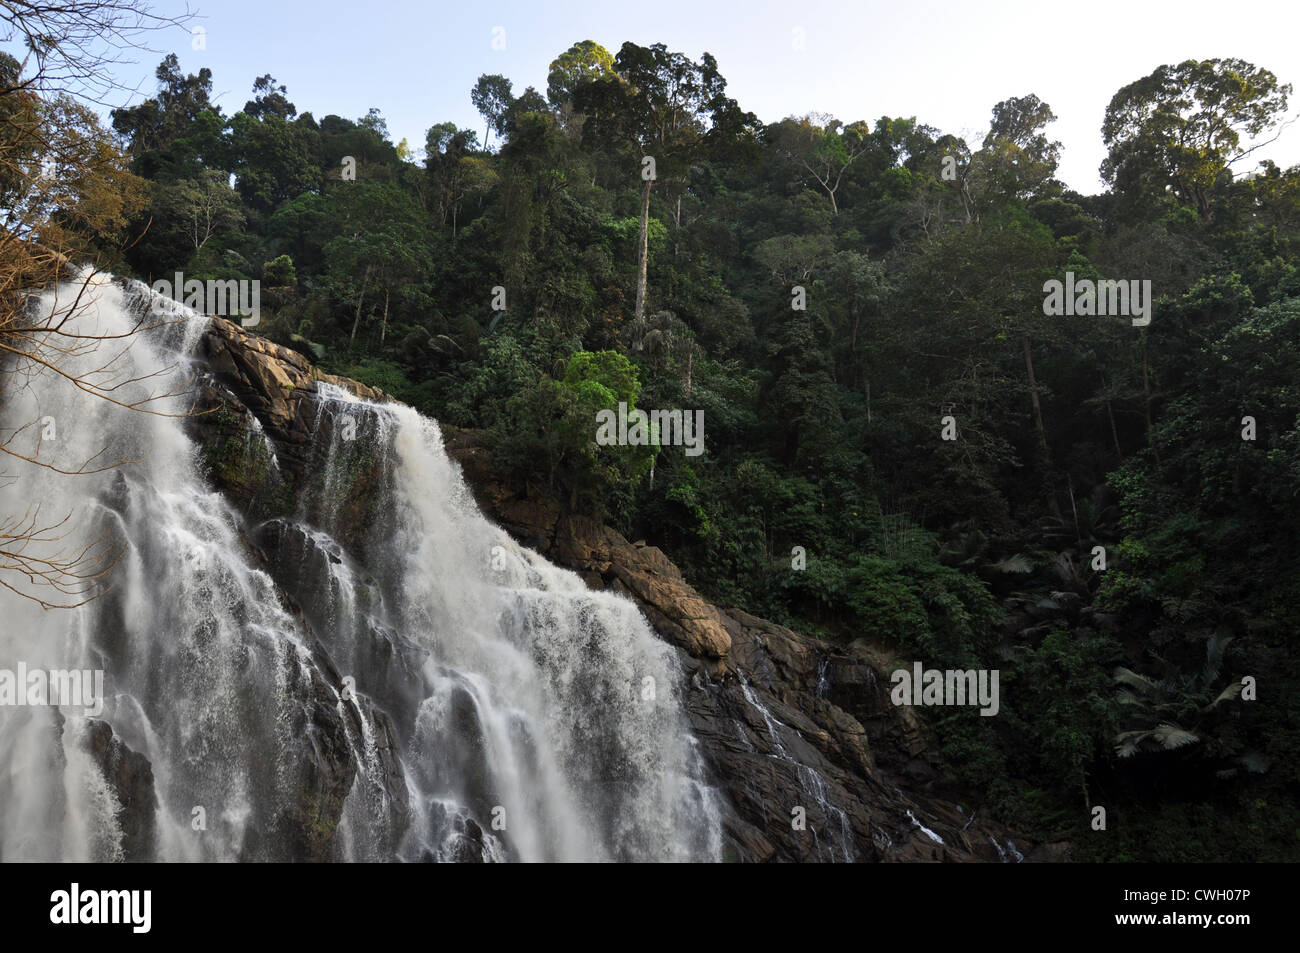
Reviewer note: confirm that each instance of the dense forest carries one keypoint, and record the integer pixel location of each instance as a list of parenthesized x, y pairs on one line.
[(900, 444)]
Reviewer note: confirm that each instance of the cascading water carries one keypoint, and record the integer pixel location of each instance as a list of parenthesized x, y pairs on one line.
[(811, 782), (412, 685)]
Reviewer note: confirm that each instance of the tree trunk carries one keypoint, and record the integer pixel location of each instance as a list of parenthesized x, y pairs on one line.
[(644, 251), (1033, 393), (1110, 413), (1146, 399), (360, 298), (1078, 533), (383, 324)]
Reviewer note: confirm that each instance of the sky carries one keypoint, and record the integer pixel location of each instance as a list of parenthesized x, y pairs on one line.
[(946, 63)]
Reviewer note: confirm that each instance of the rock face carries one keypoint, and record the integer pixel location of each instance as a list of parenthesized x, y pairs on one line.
[(275, 384), (130, 776), (816, 762)]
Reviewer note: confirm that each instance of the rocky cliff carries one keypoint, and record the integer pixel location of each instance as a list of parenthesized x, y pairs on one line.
[(790, 727)]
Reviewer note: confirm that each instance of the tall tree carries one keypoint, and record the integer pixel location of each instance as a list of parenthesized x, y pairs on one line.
[(1179, 128), (492, 96), (1018, 161), (176, 132), (269, 100), (581, 63), (663, 106), (451, 168)]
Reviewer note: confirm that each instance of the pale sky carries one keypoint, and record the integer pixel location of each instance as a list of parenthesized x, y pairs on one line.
[(946, 63)]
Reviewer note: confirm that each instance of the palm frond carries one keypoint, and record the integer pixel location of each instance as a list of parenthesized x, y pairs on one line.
[(1215, 648), (1171, 736), (1016, 564), (1140, 683), (1232, 691), (1127, 742)]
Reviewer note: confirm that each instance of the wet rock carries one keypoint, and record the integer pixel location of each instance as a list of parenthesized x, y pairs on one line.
[(130, 775), (319, 769)]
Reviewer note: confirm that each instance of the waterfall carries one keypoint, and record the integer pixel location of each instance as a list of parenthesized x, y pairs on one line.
[(377, 672)]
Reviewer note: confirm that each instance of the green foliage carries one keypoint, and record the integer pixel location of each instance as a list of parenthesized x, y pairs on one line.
[(1073, 711), (583, 62), (927, 609), (606, 378), (280, 273), (1181, 125)]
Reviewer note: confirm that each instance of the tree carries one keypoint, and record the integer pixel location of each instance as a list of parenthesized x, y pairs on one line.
[(825, 151), (375, 122), (1017, 160), (661, 104), (583, 62), (274, 159), (492, 96), (551, 428), (801, 396), (208, 207), (1179, 709), (280, 273), (269, 100), (177, 132), (664, 339), (1179, 128), (529, 101), (977, 300), (452, 169), (855, 289), (376, 158), (384, 248), (71, 47), (793, 259)]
